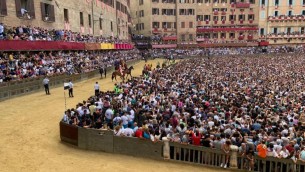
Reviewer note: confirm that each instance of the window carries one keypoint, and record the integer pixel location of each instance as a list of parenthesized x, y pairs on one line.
[(47, 12), (182, 37), (262, 31), (263, 2), (111, 26), (232, 35), (141, 2), (199, 17), (289, 30), (191, 37), (252, 1), (3, 8), (223, 18), (251, 17), (276, 13), (81, 19), (303, 12), (290, 2), (66, 15), (275, 30), (289, 13), (25, 9), (276, 2), (232, 17), (141, 13), (206, 17), (303, 2), (89, 20), (223, 35), (155, 11), (156, 25), (215, 35), (101, 23), (302, 30), (241, 17), (190, 24), (182, 24)]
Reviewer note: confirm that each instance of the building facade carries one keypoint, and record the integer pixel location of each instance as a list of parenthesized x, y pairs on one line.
[(98, 17), (282, 21), (197, 21)]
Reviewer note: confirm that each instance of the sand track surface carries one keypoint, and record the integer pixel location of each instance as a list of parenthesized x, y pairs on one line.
[(29, 131)]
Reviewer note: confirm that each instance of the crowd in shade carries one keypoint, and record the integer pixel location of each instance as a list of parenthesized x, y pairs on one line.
[(254, 103), (17, 66), (30, 33), (227, 51)]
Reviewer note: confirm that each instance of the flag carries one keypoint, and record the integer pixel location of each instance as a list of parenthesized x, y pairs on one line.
[(66, 86)]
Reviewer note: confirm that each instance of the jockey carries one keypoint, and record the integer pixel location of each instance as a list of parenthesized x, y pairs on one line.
[(120, 69)]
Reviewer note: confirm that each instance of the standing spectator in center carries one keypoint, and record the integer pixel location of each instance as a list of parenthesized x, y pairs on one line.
[(96, 89), (45, 82), (70, 89)]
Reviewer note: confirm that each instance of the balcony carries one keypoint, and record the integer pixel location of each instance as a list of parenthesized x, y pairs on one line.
[(241, 37), (155, 30), (227, 43), (201, 39), (227, 29), (286, 18), (295, 35), (242, 5), (169, 38)]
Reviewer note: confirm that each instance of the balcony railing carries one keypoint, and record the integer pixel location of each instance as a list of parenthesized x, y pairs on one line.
[(286, 36), (286, 18)]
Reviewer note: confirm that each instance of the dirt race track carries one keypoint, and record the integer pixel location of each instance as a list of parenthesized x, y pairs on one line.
[(30, 141)]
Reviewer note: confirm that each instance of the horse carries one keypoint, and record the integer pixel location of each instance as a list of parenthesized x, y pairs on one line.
[(117, 73), (128, 71)]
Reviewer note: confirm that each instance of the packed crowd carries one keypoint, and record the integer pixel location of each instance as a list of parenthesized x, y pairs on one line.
[(255, 103), (17, 66), (41, 34), (227, 51)]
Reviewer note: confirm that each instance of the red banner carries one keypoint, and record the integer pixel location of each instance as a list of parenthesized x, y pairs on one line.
[(16, 45)]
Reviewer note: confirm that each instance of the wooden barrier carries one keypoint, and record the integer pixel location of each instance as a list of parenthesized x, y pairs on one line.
[(27, 86), (103, 140), (68, 133)]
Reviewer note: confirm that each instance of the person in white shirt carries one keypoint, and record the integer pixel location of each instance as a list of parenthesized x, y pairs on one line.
[(96, 89), (284, 153), (109, 115), (124, 120), (128, 132)]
